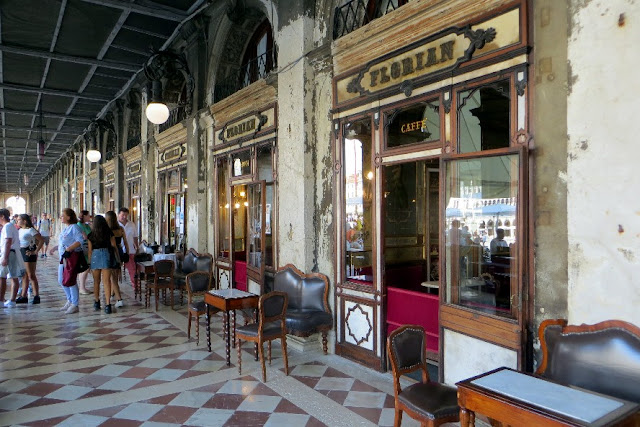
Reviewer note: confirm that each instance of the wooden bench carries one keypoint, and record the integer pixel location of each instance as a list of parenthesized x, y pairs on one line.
[(604, 357), (308, 310)]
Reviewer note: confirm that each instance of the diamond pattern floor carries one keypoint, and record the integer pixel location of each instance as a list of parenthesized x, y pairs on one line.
[(136, 367)]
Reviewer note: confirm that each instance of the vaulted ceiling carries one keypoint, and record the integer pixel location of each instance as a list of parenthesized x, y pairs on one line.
[(72, 58)]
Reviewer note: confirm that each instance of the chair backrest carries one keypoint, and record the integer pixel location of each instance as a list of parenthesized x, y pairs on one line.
[(305, 291), (272, 307), (604, 357), (163, 268), (406, 347), (194, 261), (198, 282)]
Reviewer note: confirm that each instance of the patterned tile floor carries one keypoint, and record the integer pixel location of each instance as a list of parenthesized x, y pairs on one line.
[(136, 367)]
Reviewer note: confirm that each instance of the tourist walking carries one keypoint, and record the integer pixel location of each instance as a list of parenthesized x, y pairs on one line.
[(11, 264), (70, 240), (84, 222), (123, 250), (44, 227), (30, 244), (131, 231), (102, 249)]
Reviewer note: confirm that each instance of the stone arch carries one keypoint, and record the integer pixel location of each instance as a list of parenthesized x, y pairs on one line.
[(232, 25), (16, 205)]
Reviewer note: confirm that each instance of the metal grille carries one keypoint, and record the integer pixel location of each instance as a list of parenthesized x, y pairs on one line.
[(252, 71), (358, 13)]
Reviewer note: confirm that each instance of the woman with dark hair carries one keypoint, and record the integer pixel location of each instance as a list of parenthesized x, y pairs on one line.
[(70, 240), (116, 267), (101, 245), (30, 243)]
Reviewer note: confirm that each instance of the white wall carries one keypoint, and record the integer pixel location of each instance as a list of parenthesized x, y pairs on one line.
[(603, 170)]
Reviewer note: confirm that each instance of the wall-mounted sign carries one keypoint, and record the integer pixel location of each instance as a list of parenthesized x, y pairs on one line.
[(173, 154), (246, 126), (134, 168), (410, 127), (110, 177), (431, 57)]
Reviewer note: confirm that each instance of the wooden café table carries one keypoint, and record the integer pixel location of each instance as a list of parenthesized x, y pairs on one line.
[(228, 300), (521, 399)]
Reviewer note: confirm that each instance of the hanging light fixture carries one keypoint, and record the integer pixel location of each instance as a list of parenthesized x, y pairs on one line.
[(166, 65), (26, 180), (157, 111), (40, 152), (93, 154)]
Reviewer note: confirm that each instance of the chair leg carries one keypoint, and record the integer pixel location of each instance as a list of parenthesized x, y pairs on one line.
[(397, 420), (269, 351), (324, 342), (283, 343), (157, 296), (171, 298), (198, 330), (239, 345), (189, 327), (264, 368)]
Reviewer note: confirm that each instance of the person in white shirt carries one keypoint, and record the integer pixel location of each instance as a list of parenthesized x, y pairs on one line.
[(44, 227), (11, 265), (131, 232), (30, 244), (498, 245)]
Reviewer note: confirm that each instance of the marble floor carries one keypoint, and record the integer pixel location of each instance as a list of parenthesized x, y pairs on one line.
[(136, 367)]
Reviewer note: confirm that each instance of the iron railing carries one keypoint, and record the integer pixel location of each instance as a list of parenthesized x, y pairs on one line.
[(252, 71), (358, 13), (176, 115)]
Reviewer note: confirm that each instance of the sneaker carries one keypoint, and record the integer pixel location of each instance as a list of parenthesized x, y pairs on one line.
[(22, 300), (96, 305), (85, 292), (41, 255), (66, 306), (9, 304), (72, 309), (107, 308), (36, 300), (119, 303)]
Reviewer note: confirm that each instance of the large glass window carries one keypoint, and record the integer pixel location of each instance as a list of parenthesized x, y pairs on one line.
[(481, 197), (484, 115), (265, 173), (224, 237), (359, 180), (418, 123)]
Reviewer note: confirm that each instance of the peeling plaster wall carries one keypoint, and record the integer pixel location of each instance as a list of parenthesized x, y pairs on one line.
[(602, 174)]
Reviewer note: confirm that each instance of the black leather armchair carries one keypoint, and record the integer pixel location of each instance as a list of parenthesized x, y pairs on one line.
[(192, 262), (308, 310)]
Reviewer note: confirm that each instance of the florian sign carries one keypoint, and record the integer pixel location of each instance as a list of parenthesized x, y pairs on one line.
[(431, 58), (246, 127)]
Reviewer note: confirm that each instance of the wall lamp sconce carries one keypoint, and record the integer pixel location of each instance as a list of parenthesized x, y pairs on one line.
[(172, 70)]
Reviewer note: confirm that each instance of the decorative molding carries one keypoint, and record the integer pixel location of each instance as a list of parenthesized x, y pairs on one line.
[(522, 137), (406, 87), (351, 311), (521, 84)]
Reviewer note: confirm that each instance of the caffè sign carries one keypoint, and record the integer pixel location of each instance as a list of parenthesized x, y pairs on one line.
[(431, 57)]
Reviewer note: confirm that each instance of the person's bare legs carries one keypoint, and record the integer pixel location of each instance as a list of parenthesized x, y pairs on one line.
[(115, 285), (96, 288), (82, 282), (3, 288), (106, 278), (30, 276), (15, 285)]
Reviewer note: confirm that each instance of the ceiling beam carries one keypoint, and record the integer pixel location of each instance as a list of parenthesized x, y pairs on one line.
[(57, 92), (8, 127), (50, 115), (147, 32), (65, 142), (157, 11), (106, 63)]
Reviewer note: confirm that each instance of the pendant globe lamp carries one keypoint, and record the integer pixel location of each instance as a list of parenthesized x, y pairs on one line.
[(93, 154), (157, 111)]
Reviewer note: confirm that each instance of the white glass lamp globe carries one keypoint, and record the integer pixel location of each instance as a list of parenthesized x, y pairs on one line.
[(93, 156), (157, 113)]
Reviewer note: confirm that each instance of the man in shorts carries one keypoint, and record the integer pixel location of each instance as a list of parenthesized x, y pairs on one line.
[(11, 265), (44, 227), (131, 233)]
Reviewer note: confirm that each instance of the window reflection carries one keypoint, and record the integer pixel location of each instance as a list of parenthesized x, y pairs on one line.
[(223, 210), (359, 179), (484, 117), (481, 257)]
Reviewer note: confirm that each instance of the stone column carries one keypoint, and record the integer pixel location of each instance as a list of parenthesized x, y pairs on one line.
[(148, 181), (119, 185)]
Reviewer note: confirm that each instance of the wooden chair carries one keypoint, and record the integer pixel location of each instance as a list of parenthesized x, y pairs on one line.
[(197, 283), (272, 308), (162, 279), (431, 403)]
